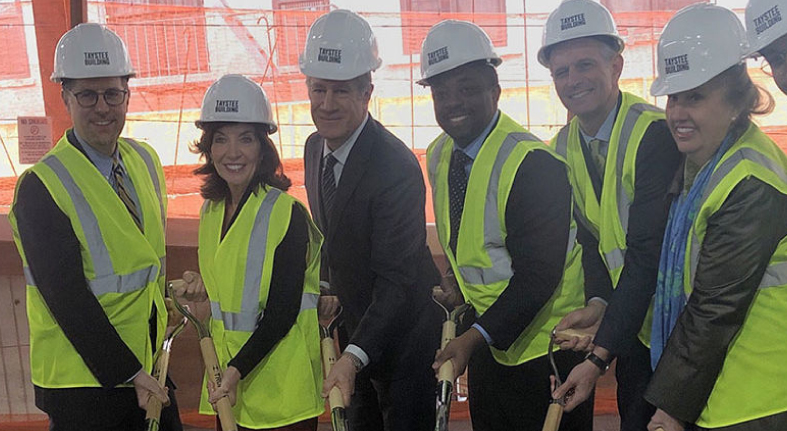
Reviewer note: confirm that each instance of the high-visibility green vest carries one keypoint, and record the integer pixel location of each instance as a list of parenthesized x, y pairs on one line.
[(482, 264), (752, 382), (122, 265), (607, 219), (285, 386)]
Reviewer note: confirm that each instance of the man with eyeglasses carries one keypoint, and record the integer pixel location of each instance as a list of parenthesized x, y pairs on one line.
[(88, 221), (767, 32)]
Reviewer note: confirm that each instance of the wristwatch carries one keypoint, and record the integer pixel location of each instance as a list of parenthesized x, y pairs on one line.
[(597, 361), (356, 361)]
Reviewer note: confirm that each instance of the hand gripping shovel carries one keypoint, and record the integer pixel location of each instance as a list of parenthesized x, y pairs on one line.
[(328, 350), (160, 374), (210, 358), (445, 375), (555, 411)]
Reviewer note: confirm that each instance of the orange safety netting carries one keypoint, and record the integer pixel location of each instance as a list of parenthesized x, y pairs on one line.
[(180, 48)]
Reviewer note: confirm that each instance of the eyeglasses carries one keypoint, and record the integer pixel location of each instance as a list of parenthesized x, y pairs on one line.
[(772, 61), (89, 98)]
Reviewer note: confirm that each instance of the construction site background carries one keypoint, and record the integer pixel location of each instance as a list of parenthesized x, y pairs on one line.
[(180, 47)]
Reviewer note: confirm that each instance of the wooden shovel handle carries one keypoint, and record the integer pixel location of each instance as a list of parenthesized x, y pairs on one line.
[(554, 414), (446, 371), (328, 359), (153, 409), (223, 407)]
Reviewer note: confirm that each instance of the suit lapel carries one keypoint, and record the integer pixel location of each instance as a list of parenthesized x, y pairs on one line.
[(353, 172), (312, 156)]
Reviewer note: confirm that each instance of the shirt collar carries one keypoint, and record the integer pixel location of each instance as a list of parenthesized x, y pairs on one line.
[(102, 162), (605, 131), (474, 148), (343, 151)]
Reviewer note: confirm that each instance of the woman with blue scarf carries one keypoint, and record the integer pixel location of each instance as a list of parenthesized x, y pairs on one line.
[(719, 338)]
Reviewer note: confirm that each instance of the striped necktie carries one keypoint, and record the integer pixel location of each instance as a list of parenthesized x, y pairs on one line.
[(122, 192), (328, 184)]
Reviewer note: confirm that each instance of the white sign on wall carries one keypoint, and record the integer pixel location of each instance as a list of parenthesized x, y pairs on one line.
[(35, 138)]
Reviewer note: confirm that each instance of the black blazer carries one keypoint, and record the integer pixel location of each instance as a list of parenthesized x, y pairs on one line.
[(375, 250)]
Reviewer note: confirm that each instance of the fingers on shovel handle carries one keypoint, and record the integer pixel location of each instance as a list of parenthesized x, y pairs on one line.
[(177, 284), (335, 398), (567, 334), (214, 373), (554, 414)]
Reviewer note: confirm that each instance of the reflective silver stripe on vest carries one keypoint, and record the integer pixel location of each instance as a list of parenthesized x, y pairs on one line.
[(121, 284), (561, 147), (106, 281), (626, 130), (28, 276), (776, 273), (493, 240), (614, 259), (572, 240), (153, 174), (247, 320)]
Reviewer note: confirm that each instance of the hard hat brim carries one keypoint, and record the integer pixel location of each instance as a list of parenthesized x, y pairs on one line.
[(613, 41)]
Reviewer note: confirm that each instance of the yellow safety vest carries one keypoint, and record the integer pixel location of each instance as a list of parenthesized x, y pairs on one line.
[(122, 266), (284, 388), (751, 384), (608, 220), (482, 264)]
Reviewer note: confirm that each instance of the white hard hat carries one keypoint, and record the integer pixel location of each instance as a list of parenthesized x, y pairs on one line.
[(452, 43), (90, 50), (764, 22), (575, 19), (340, 46), (699, 42), (236, 99)]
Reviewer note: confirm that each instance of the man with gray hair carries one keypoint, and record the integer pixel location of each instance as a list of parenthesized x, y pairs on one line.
[(367, 195)]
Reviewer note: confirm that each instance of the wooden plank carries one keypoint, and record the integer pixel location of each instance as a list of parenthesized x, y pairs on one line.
[(30, 406), (14, 377), (18, 294), (5, 400), (8, 333)]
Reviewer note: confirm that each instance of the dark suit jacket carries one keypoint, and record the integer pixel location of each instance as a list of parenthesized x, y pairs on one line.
[(375, 251)]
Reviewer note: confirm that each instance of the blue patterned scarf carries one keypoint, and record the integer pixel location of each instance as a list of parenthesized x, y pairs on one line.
[(670, 294)]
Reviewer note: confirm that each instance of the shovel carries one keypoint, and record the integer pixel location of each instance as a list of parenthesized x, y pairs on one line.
[(154, 406), (556, 406), (445, 375), (208, 350), (328, 350)]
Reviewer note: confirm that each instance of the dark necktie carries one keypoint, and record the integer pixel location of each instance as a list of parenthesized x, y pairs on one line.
[(122, 192), (457, 188), (328, 184)]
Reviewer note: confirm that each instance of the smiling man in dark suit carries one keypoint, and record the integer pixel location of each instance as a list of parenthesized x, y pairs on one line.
[(367, 195)]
